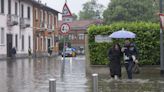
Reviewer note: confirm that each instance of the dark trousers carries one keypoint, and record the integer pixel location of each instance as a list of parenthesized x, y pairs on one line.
[(129, 65)]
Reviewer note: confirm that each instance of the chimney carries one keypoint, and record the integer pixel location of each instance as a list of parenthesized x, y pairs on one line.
[(45, 4)]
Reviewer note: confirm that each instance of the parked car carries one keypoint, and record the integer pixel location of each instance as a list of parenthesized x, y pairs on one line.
[(69, 52)]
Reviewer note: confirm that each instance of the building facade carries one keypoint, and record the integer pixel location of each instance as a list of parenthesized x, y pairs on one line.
[(27, 25), (15, 27), (45, 24), (76, 35)]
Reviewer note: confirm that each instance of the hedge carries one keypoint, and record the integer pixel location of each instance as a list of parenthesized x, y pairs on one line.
[(147, 42)]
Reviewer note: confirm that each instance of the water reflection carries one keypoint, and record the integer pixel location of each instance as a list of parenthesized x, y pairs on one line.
[(32, 75)]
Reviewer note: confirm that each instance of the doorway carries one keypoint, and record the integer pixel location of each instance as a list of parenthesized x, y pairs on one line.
[(49, 43), (9, 45)]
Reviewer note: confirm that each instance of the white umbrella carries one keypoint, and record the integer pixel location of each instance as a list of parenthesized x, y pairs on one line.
[(122, 34)]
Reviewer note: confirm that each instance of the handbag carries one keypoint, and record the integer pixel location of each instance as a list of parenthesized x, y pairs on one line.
[(136, 69)]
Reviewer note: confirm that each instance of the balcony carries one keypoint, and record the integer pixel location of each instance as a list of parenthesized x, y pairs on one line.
[(12, 20), (50, 28), (42, 26), (25, 22), (53, 27)]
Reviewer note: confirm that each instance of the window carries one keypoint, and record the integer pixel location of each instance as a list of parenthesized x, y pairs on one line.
[(2, 33), (37, 42), (9, 6), (2, 6), (45, 17), (22, 42), (36, 14), (22, 11), (41, 15), (49, 19), (16, 41), (81, 36), (29, 42), (71, 37), (16, 8), (41, 39), (28, 12), (52, 19)]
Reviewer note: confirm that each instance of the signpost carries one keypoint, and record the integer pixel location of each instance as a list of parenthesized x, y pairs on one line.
[(102, 38), (66, 12), (65, 28)]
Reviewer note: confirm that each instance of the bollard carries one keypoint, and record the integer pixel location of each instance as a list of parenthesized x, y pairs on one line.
[(52, 85), (95, 82)]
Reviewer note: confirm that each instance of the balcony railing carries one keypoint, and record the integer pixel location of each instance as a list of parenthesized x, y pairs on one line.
[(25, 22), (49, 28), (12, 20)]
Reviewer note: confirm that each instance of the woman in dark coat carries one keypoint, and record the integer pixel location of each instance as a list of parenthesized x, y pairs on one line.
[(115, 55)]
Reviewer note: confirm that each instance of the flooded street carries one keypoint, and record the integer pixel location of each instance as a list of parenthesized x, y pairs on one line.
[(32, 75)]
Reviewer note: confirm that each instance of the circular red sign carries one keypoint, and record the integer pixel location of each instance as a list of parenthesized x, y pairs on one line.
[(65, 28)]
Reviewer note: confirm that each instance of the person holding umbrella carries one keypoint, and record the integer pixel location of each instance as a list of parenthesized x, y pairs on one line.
[(129, 50), (130, 53), (115, 55)]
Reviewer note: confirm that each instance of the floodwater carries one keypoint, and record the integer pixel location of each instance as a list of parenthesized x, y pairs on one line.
[(32, 75), (148, 80)]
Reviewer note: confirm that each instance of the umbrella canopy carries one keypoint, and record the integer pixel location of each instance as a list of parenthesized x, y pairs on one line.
[(122, 34)]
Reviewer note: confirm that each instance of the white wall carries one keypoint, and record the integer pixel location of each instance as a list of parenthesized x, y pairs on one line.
[(3, 25), (16, 29)]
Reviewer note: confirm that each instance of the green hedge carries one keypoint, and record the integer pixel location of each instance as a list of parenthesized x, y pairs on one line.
[(147, 41)]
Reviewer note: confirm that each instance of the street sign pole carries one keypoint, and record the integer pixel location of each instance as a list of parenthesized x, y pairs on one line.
[(63, 63), (65, 28), (161, 44)]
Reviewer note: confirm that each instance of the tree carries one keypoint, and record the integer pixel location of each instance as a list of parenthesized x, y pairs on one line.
[(131, 10), (91, 10), (75, 17)]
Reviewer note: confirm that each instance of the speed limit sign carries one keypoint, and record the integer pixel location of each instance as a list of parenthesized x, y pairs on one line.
[(65, 28)]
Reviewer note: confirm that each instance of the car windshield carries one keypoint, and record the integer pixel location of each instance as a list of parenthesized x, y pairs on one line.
[(68, 50)]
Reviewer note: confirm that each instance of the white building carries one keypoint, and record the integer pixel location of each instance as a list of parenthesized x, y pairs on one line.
[(16, 21)]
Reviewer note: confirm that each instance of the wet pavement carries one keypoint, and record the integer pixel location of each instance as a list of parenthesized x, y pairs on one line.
[(148, 80), (32, 75)]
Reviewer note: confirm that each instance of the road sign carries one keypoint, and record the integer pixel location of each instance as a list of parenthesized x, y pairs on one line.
[(66, 12), (65, 28)]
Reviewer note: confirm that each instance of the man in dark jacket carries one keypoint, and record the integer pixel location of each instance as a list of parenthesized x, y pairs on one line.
[(130, 52)]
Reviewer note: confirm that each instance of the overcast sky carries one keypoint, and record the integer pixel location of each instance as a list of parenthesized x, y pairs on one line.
[(74, 5)]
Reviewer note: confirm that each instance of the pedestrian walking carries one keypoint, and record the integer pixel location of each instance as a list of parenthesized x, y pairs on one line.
[(13, 52), (115, 55), (50, 50), (29, 52), (130, 53)]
